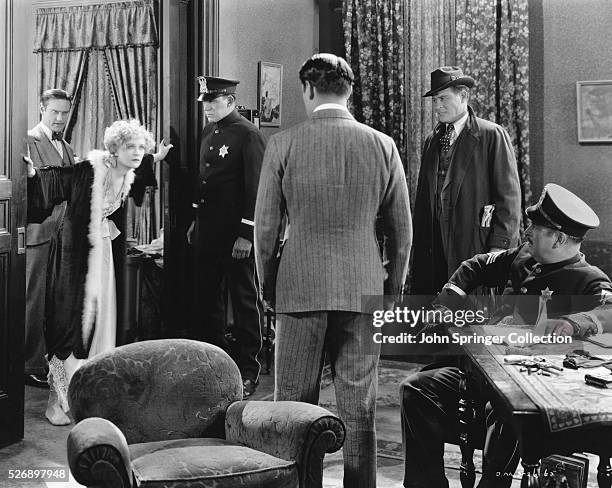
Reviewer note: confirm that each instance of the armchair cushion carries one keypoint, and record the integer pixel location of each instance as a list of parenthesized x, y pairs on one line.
[(209, 462)]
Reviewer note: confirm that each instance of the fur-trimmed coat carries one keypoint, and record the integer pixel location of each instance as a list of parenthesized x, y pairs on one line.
[(75, 257)]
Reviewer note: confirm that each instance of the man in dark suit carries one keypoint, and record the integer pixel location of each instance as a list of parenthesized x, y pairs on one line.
[(468, 197), (231, 152), (331, 176), (46, 147), (580, 305)]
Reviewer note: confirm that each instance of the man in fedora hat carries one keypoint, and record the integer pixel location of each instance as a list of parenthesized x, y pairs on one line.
[(231, 153), (580, 304), (468, 198)]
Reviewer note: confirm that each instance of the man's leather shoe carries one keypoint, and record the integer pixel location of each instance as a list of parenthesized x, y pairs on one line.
[(36, 380), (248, 388)]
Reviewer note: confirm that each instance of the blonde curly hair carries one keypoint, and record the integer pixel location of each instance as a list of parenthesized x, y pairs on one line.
[(122, 131)]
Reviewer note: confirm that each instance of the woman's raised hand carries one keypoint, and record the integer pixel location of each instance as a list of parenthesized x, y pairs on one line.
[(162, 151)]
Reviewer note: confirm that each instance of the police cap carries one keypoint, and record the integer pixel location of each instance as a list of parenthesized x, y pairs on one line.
[(560, 209), (212, 86)]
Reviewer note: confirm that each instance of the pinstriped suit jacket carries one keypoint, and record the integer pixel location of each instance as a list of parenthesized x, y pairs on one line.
[(331, 176)]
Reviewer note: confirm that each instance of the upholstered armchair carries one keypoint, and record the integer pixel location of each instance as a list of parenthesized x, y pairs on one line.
[(168, 413)]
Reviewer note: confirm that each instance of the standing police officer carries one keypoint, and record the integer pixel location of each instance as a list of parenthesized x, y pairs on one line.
[(231, 153)]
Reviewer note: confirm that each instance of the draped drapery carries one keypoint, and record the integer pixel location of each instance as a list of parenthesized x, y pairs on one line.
[(430, 42), (106, 57), (393, 45), (374, 47), (129, 69), (493, 47), (91, 111)]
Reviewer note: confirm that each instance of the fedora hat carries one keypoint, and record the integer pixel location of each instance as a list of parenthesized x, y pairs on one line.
[(447, 76)]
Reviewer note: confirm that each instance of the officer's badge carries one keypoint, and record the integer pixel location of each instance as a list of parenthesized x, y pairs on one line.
[(203, 86), (546, 293), (223, 151)]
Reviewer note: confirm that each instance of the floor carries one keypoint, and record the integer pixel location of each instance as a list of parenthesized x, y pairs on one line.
[(44, 445)]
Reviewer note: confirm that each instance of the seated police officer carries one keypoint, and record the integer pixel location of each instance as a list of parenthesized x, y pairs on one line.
[(580, 305), (231, 154)]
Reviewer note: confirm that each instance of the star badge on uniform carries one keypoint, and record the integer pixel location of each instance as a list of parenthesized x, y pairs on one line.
[(223, 151), (546, 293)]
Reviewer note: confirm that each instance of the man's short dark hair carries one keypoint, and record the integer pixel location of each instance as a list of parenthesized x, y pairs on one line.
[(54, 94), (328, 73)]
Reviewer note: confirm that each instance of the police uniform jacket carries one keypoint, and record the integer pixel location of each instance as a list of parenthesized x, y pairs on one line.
[(581, 292), (231, 153)]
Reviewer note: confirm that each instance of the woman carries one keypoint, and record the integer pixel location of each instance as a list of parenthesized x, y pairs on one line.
[(81, 313)]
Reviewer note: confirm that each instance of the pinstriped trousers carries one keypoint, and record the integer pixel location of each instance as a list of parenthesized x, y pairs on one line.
[(302, 339)]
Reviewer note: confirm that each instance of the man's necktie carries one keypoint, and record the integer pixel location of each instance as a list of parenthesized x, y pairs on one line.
[(448, 138), (57, 136)]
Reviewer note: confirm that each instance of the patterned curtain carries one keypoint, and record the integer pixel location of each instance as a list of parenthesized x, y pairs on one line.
[(374, 47), (128, 67), (106, 56), (493, 47), (91, 110), (430, 42)]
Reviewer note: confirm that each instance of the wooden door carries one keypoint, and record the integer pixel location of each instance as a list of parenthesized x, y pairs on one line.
[(14, 30)]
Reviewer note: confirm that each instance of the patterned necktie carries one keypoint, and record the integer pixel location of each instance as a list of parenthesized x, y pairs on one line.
[(57, 136), (448, 138)]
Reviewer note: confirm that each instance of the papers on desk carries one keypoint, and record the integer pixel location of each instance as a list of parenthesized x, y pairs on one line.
[(506, 330), (155, 248), (602, 340)]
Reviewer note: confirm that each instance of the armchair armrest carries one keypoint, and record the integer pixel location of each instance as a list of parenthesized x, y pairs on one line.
[(289, 430), (98, 454)]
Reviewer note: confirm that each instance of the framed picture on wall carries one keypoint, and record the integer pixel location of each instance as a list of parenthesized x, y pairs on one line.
[(594, 104), (270, 93)]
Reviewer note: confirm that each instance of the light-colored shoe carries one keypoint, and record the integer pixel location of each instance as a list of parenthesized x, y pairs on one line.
[(54, 412), (57, 406)]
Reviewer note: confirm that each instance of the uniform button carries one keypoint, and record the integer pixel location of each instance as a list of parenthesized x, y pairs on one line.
[(217, 131), (523, 289), (211, 148), (207, 165), (203, 182), (202, 201)]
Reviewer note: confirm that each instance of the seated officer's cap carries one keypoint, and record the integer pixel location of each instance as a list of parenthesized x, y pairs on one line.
[(212, 86), (560, 209)]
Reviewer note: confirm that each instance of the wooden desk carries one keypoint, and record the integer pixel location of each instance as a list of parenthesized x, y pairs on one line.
[(516, 408)]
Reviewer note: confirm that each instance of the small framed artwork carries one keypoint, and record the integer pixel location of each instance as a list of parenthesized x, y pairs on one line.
[(564, 471), (594, 104), (270, 93)]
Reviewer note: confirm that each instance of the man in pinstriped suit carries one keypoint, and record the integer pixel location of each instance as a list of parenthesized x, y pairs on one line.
[(331, 176)]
